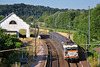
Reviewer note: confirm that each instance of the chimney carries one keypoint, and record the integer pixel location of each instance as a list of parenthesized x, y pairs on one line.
[(5, 14)]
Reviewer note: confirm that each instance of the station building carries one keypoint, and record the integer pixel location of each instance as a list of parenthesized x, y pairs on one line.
[(12, 24)]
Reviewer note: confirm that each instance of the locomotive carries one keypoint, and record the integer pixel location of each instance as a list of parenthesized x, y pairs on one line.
[(67, 46)]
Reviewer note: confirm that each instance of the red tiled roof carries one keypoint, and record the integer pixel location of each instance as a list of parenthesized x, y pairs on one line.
[(97, 49)]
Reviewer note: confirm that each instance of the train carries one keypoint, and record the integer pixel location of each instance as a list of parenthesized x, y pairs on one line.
[(68, 47)]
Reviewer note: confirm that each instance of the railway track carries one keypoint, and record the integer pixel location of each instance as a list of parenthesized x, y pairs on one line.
[(74, 64), (55, 56), (53, 60), (64, 63), (56, 59)]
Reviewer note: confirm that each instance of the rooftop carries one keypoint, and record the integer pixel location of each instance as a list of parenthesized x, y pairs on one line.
[(97, 49)]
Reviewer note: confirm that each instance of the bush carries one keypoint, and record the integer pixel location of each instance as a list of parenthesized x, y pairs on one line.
[(50, 30), (14, 35), (18, 44)]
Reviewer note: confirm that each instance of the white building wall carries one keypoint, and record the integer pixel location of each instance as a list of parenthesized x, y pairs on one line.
[(15, 27)]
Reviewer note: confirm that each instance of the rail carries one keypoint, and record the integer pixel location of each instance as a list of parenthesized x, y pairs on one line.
[(49, 60), (46, 56), (56, 54)]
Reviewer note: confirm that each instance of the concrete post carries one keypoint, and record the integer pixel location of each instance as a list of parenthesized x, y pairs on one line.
[(28, 33), (98, 59), (18, 33)]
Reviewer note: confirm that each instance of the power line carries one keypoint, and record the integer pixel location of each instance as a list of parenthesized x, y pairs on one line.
[(78, 30)]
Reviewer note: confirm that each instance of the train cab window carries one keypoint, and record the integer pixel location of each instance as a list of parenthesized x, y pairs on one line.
[(68, 49), (74, 48)]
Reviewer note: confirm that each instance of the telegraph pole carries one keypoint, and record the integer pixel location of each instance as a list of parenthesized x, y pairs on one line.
[(38, 28), (33, 51), (69, 30), (35, 39), (38, 33), (56, 21), (55, 24), (46, 28), (89, 27)]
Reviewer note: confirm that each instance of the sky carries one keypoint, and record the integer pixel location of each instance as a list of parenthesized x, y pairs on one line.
[(61, 4)]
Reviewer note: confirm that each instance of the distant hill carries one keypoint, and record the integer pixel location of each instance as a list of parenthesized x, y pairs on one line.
[(24, 10)]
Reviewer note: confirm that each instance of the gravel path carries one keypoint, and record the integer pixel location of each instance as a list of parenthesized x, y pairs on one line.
[(39, 59)]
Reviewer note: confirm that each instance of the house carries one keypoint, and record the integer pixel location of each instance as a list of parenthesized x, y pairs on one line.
[(12, 24)]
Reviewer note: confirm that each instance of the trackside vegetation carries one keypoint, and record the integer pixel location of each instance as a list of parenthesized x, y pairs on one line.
[(9, 42)]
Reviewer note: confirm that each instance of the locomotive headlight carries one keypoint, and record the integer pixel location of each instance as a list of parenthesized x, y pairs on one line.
[(67, 55)]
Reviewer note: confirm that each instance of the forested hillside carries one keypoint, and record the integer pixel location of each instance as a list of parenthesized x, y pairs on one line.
[(25, 11), (79, 22), (78, 19)]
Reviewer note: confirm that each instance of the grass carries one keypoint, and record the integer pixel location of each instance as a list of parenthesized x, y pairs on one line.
[(30, 58), (59, 30), (93, 61)]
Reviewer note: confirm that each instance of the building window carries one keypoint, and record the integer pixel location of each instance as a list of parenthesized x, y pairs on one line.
[(12, 22)]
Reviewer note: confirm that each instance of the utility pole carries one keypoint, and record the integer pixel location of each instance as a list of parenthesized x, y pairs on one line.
[(69, 30), (33, 51), (56, 21), (55, 24), (38, 28), (46, 28), (35, 39), (98, 59), (22, 52), (38, 33), (89, 26)]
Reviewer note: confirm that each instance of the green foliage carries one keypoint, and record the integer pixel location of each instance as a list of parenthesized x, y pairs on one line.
[(59, 30), (18, 44), (1, 17), (25, 11), (62, 19), (14, 35), (78, 19), (81, 22), (50, 30), (44, 15), (9, 42)]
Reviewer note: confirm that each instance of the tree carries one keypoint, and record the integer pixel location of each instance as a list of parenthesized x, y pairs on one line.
[(1, 17)]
